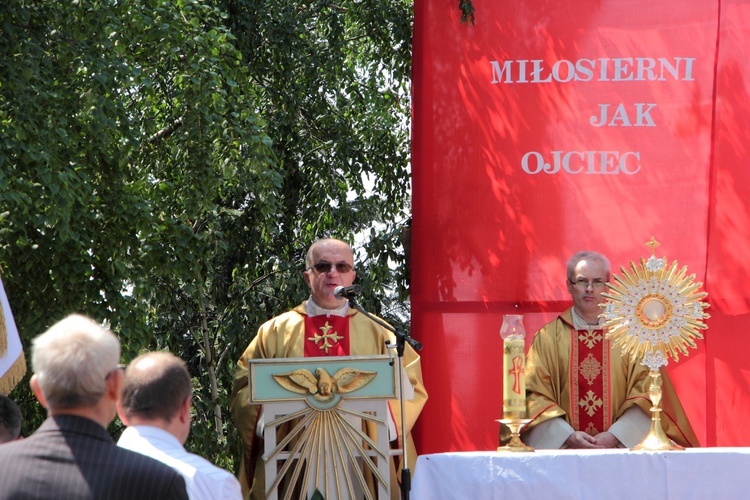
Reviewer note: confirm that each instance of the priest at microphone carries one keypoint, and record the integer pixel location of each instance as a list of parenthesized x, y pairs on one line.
[(323, 325)]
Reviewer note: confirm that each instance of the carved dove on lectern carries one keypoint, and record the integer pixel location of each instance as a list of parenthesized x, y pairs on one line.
[(321, 385)]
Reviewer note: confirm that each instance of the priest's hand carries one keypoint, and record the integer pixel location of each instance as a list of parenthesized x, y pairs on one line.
[(580, 439), (607, 440)]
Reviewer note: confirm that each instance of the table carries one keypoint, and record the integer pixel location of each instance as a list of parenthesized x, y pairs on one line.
[(576, 474)]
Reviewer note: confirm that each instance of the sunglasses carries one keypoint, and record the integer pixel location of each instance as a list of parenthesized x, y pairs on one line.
[(325, 267)]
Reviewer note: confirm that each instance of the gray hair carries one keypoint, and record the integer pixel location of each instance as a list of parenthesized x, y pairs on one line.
[(586, 255), (72, 360)]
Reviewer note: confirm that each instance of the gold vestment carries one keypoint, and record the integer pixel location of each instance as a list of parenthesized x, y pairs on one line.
[(549, 374), (283, 337)]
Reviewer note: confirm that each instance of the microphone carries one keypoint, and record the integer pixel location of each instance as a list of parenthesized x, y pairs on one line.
[(347, 292)]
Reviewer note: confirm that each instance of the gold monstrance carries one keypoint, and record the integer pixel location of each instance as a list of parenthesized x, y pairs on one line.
[(655, 311)]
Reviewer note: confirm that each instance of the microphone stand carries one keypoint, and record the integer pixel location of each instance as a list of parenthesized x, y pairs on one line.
[(401, 340)]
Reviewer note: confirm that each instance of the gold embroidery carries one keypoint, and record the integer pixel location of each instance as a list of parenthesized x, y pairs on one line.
[(575, 392), (590, 368), (590, 403), (591, 430), (605, 384), (590, 337), (325, 337)]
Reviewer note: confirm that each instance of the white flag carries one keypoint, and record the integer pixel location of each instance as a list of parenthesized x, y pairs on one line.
[(12, 359)]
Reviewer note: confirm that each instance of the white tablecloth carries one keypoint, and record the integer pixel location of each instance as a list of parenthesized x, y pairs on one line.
[(700, 473)]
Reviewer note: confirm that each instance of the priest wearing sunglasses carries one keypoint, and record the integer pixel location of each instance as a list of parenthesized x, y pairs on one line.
[(323, 325)]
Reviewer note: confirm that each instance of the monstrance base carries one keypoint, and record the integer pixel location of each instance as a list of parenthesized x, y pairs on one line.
[(657, 439)]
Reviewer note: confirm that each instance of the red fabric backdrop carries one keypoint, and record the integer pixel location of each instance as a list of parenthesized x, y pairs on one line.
[(551, 127)]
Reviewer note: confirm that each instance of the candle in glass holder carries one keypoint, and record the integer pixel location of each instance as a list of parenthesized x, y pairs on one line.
[(514, 379)]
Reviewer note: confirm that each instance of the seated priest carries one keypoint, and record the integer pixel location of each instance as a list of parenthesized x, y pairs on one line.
[(580, 391)]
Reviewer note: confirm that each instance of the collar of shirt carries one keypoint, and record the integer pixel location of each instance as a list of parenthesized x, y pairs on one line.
[(314, 309), (580, 324), (153, 434)]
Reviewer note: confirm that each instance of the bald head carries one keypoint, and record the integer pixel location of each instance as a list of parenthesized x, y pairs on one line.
[(323, 244), (155, 386)]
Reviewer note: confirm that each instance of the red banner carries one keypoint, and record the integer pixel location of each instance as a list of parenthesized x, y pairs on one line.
[(547, 128)]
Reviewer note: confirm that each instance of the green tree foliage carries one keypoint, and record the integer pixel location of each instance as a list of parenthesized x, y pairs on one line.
[(334, 82), (164, 165)]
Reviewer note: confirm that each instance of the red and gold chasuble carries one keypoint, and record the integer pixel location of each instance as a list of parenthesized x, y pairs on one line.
[(326, 335), (589, 360)]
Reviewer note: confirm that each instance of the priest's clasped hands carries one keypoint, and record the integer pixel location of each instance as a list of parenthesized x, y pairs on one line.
[(580, 439)]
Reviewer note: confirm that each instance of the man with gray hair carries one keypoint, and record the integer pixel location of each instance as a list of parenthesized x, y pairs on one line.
[(155, 401), (77, 378), (581, 392)]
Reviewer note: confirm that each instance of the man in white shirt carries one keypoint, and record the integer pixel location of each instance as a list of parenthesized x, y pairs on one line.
[(155, 401)]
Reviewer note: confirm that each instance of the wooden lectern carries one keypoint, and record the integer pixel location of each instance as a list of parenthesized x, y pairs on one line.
[(317, 413)]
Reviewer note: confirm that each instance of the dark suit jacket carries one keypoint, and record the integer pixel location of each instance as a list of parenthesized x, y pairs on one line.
[(71, 457)]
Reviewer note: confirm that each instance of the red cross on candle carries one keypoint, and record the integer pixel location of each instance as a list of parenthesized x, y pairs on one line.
[(516, 371)]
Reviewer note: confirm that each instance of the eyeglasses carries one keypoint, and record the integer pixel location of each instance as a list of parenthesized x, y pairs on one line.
[(584, 284), (325, 267)]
